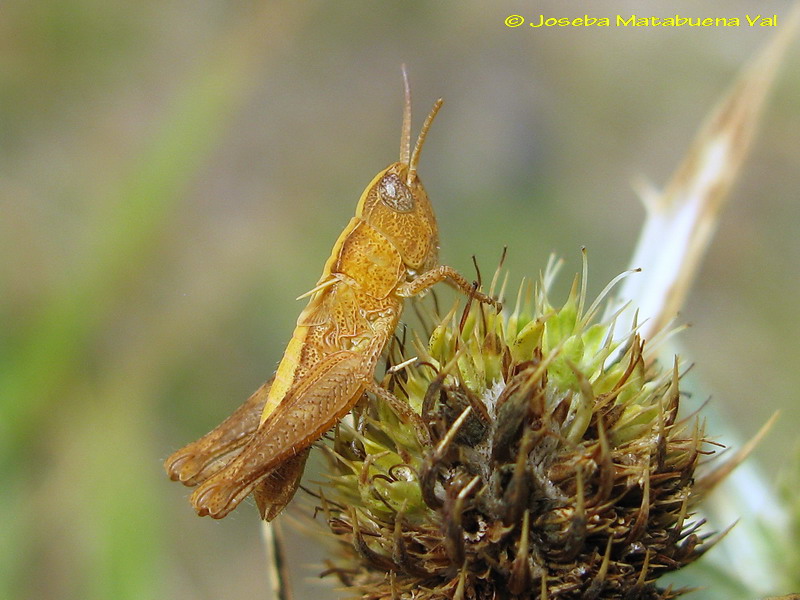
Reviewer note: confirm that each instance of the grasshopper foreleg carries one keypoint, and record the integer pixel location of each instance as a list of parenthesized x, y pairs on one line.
[(423, 281)]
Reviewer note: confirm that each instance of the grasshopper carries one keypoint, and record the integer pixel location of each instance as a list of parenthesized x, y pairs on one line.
[(387, 253)]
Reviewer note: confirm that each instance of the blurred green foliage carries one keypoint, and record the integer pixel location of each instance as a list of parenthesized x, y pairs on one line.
[(173, 175)]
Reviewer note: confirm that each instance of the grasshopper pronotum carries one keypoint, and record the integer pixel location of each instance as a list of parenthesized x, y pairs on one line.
[(388, 252)]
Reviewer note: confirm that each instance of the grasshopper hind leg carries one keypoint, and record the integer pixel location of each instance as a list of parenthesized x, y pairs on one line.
[(196, 462), (273, 459)]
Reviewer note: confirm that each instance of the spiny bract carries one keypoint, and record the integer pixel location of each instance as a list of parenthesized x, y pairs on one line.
[(526, 456)]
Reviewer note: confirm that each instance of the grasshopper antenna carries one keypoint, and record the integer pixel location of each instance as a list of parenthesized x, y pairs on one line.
[(405, 133), (412, 164)]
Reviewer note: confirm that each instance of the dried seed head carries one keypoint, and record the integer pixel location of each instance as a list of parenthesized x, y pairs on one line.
[(527, 466)]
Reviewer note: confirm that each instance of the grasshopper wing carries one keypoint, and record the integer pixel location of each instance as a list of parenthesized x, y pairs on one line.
[(311, 407), (196, 462)]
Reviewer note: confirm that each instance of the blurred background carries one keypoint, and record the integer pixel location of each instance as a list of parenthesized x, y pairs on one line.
[(173, 175)]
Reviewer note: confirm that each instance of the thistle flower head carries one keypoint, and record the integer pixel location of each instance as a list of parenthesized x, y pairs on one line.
[(520, 455)]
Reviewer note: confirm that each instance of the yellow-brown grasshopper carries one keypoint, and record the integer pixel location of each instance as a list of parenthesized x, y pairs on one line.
[(388, 252)]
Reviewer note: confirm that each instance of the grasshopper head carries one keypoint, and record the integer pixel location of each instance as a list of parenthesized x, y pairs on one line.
[(396, 204)]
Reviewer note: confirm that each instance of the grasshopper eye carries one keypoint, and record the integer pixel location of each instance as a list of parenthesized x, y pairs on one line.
[(395, 194)]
